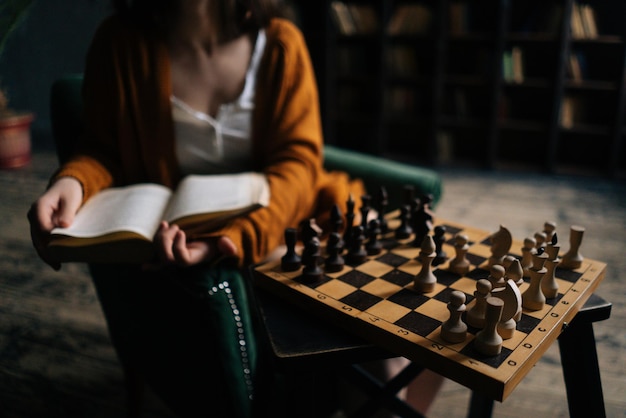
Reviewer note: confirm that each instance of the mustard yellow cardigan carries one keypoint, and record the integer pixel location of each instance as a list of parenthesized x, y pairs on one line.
[(129, 135)]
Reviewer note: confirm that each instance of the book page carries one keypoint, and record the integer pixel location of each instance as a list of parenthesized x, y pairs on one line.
[(137, 208), (203, 194)]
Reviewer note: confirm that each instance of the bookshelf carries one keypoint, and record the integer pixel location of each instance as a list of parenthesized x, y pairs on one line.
[(494, 83)]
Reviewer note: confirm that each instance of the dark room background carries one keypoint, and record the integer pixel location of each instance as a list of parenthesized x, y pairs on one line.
[(51, 41)]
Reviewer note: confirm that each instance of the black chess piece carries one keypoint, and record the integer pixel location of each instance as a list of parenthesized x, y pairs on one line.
[(347, 233), (382, 200), (365, 209), (311, 255), (309, 229), (336, 219), (439, 237), (334, 247), (373, 245), (357, 253), (291, 261), (422, 221)]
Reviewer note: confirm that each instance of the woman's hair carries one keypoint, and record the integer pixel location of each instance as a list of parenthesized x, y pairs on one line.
[(232, 17)]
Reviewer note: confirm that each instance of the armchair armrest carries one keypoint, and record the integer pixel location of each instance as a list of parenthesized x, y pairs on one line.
[(377, 171)]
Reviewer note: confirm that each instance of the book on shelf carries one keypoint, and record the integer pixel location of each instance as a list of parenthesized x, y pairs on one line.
[(513, 65), (118, 224), (574, 68), (583, 22), (343, 19), (571, 112), (410, 19), (352, 19), (517, 64)]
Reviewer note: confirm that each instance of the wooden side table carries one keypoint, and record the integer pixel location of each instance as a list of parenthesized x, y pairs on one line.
[(303, 348)]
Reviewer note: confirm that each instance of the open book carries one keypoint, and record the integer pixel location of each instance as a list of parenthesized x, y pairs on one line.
[(118, 224)]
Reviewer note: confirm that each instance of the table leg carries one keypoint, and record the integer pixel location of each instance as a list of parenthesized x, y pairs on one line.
[(581, 373)]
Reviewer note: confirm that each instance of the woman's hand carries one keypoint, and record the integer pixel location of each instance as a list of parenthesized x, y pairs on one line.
[(173, 247), (55, 208)]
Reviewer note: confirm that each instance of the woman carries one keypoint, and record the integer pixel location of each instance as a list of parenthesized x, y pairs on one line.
[(194, 86)]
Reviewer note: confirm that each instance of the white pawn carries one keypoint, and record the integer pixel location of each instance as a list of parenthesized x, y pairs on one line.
[(540, 238), (528, 250), (573, 259), (460, 264), (496, 276), (549, 228), (476, 315), (454, 329), (488, 341), (533, 298), (425, 280), (549, 285)]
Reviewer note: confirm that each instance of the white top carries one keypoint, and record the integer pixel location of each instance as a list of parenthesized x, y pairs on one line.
[(207, 145)]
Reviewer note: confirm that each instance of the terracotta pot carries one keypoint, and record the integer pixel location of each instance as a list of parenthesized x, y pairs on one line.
[(15, 144)]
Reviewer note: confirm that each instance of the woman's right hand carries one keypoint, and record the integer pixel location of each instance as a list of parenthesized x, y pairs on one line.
[(55, 208)]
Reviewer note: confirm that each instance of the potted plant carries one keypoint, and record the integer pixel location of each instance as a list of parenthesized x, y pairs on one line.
[(15, 143)]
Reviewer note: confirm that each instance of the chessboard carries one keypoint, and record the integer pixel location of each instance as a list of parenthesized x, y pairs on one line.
[(376, 298)]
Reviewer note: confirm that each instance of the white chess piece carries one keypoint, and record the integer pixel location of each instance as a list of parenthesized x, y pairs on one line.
[(454, 329)]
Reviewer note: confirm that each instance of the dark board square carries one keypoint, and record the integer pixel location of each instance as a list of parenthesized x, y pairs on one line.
[(389, 243), (555, 300), (360, 300), (446, 277), (478, 274), (356, 278), (474, 259), (567, 275), (398, 277), (408, 298), (527, 323), (444, 296), (391, 259), (418, 323), (312, 284), (494, 361)]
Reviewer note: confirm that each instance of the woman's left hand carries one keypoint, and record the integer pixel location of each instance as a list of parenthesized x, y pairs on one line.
[(173, 248)]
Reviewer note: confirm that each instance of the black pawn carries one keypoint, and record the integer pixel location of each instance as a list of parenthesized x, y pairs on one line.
[(312, 271), (356, 252), (334, 247), (373, 245), (439, 238), (291, 260)]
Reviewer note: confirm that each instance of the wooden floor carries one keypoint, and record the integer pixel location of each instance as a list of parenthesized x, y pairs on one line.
[(56, 359)]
